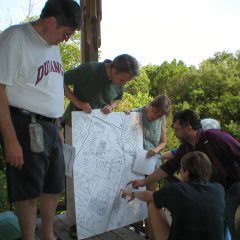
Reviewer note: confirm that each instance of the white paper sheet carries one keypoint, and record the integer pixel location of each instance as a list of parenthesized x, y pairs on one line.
[(144, 165), (105, 150)]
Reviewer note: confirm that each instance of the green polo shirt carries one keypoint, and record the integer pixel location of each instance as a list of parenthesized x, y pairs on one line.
[(91, 84)]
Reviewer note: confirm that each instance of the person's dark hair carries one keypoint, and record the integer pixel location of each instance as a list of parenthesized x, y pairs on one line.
[(198, 166), (67, 13), (125, 63), (188, 117), (161, 103)]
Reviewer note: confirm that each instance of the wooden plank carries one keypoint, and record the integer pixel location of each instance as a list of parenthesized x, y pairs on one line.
[(118, 234), (61, 230), (127, 234), (105, 236)]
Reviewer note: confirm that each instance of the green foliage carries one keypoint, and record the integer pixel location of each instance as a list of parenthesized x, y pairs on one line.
[(180, 106), (234, 129), (139, 84), (163, 77), (29, 19), (133, 101), (70, 52), (66, 102), (172, 141), (213, 90), (3, 193)]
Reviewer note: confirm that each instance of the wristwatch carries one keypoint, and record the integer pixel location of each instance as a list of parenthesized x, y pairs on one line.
[(133, 195)]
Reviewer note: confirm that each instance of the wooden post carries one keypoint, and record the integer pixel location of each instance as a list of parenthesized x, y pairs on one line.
[(91, 31)]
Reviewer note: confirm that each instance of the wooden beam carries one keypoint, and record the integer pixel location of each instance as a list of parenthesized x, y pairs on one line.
[(91, 31)]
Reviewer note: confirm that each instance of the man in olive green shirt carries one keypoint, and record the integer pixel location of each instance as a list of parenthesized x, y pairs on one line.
[(96, 85)]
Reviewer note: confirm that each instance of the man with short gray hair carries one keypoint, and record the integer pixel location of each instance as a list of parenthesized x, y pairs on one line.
[(31, 101)]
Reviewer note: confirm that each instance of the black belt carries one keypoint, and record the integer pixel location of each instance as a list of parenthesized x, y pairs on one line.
[(29, 114)]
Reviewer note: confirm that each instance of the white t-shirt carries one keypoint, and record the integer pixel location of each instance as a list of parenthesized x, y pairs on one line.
[(32, 71)]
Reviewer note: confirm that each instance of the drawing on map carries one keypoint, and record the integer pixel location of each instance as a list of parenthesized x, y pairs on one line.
[(105, 147)]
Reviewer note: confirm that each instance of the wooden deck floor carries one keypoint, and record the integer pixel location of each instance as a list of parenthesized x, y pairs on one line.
[(61, 230)]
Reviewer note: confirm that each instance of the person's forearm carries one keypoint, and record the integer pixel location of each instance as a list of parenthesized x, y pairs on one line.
[(160, 147), (13, 150), (115, 103), (6, 126), (145, 196), (157, 175), (69, 94), (167, 155), (163, 139)]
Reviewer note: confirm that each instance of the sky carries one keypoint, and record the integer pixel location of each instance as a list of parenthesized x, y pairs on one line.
[(154, 31)]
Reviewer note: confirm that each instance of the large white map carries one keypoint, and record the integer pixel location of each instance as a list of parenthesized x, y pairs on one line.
[(105, 148)]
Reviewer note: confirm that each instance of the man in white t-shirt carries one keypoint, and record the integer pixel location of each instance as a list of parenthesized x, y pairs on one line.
[(31, 101)]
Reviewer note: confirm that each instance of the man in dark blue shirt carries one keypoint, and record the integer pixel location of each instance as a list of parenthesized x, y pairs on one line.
[(196, 206)]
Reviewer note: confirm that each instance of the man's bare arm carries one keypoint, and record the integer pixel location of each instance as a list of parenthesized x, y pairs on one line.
[(157, 175), (85, 106), (145, 196), (152, 178), (13, 150), (109, 108)]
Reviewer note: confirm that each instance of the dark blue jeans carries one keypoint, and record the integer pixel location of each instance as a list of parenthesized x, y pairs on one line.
[(232, 200)]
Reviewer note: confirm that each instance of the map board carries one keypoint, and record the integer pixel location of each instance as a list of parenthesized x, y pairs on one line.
[(105, 147)]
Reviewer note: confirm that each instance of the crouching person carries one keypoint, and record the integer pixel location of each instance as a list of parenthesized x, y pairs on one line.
[(196, 205)]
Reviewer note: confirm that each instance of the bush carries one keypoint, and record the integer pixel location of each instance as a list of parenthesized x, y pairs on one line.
[(133, 101)]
